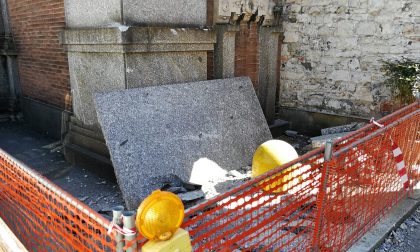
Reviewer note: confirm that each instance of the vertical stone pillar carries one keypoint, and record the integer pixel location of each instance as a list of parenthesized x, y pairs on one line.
[(13, 78), (224, 51), (10, 68), (268, 80)]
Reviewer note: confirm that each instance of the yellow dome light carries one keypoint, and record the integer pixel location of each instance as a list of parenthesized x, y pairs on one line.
[(270, 155), (160, 215)]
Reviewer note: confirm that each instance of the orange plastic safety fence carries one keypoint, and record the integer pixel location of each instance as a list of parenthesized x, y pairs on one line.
[(274, 212), (307, 204), (44, 217), (363, 182), (354, 136), (312, 204)]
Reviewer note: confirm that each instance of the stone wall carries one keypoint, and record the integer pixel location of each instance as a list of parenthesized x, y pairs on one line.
[(333, 49), (43, 66)]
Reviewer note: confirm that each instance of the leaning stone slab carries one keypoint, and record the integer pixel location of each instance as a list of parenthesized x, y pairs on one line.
[(156, 132), (321, 140)]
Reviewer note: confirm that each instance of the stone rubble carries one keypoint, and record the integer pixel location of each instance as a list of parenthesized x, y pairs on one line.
[(343, 128), (405, 238)]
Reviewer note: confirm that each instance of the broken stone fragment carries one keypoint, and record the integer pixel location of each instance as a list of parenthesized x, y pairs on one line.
[(321, 140), (191, 196), (191, 186), (176, 190), (236, 174), (84, 198), (343, 128), (291, 133)]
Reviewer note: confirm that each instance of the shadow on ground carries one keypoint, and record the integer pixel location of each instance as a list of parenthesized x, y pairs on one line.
[(45, 155)]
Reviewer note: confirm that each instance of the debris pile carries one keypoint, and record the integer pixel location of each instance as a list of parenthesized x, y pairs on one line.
[(205, 187), (300, 142)]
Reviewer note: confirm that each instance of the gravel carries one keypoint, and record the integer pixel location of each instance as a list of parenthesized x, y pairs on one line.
[(405, 238)]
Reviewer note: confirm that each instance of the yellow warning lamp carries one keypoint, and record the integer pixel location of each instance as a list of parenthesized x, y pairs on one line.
[(159, 218), (271, 155)]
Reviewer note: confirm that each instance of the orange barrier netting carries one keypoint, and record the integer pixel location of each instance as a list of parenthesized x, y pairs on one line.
[(44, 217), (324, 206), (307, 204)]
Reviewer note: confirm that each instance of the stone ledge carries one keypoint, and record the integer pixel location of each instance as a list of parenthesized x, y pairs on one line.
[(137, 39)]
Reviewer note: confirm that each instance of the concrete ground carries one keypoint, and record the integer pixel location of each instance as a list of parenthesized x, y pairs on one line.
[(8, 240), (44, 155), (405, 238), (397, 231), (101, 194)]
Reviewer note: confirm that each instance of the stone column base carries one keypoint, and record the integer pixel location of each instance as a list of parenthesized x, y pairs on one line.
[(114, 59), (85, 146)]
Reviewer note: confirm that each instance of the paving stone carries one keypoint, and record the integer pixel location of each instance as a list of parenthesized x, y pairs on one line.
[(154, 132)]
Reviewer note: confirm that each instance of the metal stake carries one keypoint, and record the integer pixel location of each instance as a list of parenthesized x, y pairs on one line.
[(116, 218), (322, 195), (129, 223)]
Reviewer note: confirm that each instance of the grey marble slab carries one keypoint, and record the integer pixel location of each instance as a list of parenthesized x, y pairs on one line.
[(155, 132)]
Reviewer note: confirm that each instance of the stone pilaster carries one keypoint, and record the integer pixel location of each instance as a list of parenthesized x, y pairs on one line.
[(269, 67), (224, 51)]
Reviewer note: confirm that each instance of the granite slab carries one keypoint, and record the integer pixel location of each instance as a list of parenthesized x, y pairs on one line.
[(343, 128), (156, 132), (321, 140)]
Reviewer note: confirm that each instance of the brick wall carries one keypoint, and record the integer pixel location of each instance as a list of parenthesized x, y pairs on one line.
[(247, 53), (43, 65)]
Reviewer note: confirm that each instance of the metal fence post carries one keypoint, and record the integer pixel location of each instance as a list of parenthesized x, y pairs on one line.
[(129, 223), (117, 220), (322, 196)]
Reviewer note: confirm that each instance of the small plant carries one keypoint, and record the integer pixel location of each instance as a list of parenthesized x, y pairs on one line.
[(403, 79)]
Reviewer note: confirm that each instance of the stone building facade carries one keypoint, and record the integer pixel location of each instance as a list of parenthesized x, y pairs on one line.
[(321, 56)]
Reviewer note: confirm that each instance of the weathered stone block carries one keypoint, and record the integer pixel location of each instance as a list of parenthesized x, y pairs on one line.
[(290, 37), (342, 75), (112, 13), (163, 12), (149, 69), (376, 6), (345, 27), (166, 130), (92, 73), (93, 13), (367, 28)]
